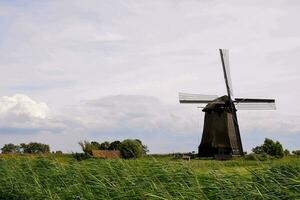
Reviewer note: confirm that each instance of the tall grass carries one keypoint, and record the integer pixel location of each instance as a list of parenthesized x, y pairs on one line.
[(65, 178)]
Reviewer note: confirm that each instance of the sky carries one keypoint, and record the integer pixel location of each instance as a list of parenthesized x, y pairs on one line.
[(111, 70)]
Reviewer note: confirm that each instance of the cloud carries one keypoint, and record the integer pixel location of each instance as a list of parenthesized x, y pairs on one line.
[(134, 113), (19, 114), (19, 105)]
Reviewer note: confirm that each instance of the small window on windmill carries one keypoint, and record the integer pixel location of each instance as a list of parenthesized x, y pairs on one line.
[(235, 151)]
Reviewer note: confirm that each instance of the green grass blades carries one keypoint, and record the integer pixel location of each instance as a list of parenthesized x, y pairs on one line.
[(62, 177)]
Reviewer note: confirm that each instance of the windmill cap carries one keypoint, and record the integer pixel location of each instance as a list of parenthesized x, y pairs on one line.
[(220, 103)]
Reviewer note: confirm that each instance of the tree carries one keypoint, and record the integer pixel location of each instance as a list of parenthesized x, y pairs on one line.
[(145, 148), (58, 152), (115, 145), (286, 152), (296, 152), (10, 148), (258, 150), (34, 147), (271, 148), (95, 145), (86, 147), (131, 149), (22, 147), (104, 145)]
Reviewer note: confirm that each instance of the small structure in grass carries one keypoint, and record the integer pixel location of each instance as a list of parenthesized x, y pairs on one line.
[(186, 157), (106, 153)]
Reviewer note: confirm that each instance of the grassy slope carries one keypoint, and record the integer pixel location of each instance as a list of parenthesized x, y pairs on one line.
[(61, 177)]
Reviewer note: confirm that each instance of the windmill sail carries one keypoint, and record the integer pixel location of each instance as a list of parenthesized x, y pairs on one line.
[(226, 70), (196, 98), (235, 135), (255, 104)]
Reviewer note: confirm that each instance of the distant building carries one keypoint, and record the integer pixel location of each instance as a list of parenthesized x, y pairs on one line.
[(106, 153)]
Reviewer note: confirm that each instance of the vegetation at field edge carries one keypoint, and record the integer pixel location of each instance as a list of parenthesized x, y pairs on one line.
[(63, 177)]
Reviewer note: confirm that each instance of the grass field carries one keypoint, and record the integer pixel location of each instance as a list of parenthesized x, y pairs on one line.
[(62, 177)]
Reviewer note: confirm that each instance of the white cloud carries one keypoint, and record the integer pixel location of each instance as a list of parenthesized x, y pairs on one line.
[(22, 105), (20, 115)]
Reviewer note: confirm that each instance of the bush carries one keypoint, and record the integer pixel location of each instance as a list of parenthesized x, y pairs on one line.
[(258, 150), (81, 156), (260, 157), (131, 149), (286, 152), (86, 147), (251, 156), (271, 148), (296, 152), (177, 156), (58, 152)]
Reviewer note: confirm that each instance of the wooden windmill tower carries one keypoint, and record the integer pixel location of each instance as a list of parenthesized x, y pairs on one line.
[(221, 133)]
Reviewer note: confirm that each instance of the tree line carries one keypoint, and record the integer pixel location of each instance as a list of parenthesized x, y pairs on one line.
[(32, 147), (133, 148), (129, 148)]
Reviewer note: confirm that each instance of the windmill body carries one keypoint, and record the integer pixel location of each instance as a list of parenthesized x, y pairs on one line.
[(221, 133)]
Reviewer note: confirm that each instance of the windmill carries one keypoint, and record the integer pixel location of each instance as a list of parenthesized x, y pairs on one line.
[(221, 133)]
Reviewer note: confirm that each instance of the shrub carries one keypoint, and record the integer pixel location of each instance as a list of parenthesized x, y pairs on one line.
[(81, 156), (177, 156), (131, 149), (296, 152), (58, 152), (260, 157), (86, 147), (263, 157), (286, 152), (251, 156), (258, 150), (271, 148)]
